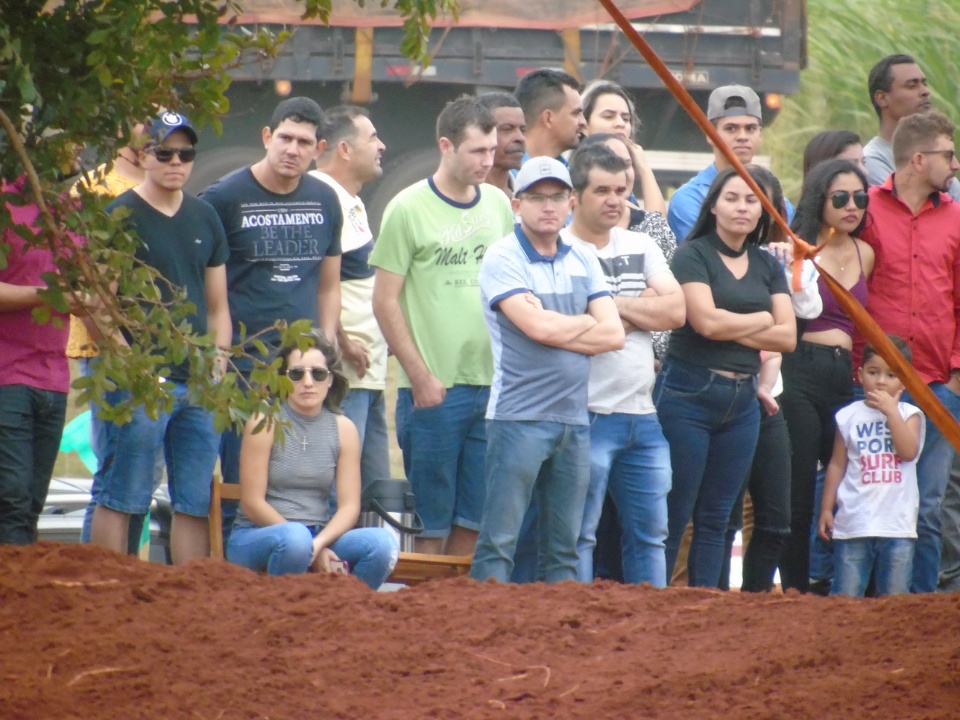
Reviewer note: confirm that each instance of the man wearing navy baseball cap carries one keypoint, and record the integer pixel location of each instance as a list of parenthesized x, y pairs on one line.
[(183, 239), (548, 310)]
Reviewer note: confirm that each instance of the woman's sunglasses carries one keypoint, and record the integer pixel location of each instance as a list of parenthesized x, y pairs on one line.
[(165, 154), (841, 197), (296, 374)]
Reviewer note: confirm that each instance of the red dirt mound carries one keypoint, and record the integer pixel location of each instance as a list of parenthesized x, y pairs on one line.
[(88, 634)]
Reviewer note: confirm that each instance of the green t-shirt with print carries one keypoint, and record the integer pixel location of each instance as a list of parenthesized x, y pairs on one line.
[(437, 245)]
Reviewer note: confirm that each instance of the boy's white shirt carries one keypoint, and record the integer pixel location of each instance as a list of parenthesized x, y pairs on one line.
[(878, 495)]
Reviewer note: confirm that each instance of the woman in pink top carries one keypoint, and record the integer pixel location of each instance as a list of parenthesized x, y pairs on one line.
[(818, 375)]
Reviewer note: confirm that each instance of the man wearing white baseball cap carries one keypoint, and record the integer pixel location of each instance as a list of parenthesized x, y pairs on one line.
[(548, 310)]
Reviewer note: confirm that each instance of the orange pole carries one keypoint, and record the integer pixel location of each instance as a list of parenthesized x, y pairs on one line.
[(935, 410)]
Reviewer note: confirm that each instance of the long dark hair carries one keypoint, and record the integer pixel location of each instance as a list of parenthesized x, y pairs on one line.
[(706, 223), (826, 146), (339, 385), (770, 184), (808, 220)]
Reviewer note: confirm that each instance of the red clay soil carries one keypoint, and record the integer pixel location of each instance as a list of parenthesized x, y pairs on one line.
[(88, 634)]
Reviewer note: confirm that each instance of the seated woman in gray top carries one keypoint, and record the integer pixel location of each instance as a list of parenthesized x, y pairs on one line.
[(284, 524)]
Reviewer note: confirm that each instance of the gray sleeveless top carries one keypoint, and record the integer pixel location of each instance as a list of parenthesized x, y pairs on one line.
[(303, 469)]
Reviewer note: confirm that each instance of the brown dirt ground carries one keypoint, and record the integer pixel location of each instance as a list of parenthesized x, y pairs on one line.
[(88, 634)]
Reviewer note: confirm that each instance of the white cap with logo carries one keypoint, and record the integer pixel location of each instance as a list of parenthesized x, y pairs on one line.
[(538, 169)]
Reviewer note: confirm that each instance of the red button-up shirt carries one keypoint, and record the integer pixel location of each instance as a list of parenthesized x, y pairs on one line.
[(914, 291)]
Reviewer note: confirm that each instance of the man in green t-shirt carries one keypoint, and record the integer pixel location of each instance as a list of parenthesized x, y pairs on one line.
[(427, 300)]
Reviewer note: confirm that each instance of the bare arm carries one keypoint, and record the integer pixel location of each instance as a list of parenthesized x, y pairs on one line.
[(427, 389), (769, 372), (606, 335), (218, 309), (328, 296), (782, 337), (354, 352), (715, 324), (835, 472), (254, 466), (544, 326), (19, 297), (660, 307), (904, 433), (348, 489)]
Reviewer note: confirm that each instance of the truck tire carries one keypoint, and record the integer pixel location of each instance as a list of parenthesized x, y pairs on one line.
[(399, 173)]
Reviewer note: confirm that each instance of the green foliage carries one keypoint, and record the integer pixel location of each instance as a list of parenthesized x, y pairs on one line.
[(845, 39), (78, 74)]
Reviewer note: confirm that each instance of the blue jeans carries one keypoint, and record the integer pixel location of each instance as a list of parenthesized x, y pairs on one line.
[(630, 457), (288, 547), (443, 455), (135, 529), (933, 472), (129, 452), (368, 411), (546, 460), (31, 425), (712, 423), (890, 560)]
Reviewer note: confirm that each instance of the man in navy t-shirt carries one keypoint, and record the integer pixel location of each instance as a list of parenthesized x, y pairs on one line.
[(283, 227)]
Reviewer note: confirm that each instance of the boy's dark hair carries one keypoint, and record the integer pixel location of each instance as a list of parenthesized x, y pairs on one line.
[(458, 115), (300, 110), (495, 100), (543, 90), (898, 342), (339, 125), (879, 79), (585, 159)]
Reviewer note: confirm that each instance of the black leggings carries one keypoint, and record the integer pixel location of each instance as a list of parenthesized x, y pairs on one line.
[(817, 381), (769, 486)]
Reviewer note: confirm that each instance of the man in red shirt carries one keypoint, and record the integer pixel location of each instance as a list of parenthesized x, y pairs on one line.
[(914, 292)]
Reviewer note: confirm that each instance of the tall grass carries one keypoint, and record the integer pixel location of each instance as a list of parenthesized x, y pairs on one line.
[(845, 39)]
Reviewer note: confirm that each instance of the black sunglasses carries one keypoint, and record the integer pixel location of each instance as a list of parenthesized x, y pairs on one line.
[(296, 374), (165, 154), (841, 197)]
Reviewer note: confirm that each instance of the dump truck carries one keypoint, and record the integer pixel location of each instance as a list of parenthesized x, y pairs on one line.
[(356, 58)]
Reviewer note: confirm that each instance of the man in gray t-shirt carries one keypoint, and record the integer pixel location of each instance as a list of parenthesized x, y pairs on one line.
[(897, 88)]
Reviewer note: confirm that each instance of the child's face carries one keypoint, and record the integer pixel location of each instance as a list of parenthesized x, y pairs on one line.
[(877, 375)]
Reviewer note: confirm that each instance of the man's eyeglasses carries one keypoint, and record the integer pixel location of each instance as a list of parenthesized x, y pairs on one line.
[(840, 198), (296, 374), (540, 198), (165, 154), (948, 155)]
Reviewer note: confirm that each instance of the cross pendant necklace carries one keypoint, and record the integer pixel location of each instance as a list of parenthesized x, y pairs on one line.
[(303, 441)]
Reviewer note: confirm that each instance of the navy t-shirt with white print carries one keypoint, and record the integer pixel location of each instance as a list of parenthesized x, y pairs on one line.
[(277, 243)]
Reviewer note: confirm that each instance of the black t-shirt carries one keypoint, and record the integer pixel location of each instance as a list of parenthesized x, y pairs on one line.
[(180, 248), (277, 243), (698, 261)]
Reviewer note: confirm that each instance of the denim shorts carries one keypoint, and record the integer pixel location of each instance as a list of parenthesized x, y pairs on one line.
[(444, 450), (190, 444)]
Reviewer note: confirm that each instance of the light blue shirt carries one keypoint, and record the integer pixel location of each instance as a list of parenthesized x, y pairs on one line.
[(686, 201), (533, 381)]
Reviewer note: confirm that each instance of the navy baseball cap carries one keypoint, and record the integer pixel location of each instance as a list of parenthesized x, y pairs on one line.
[(160, 127)]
